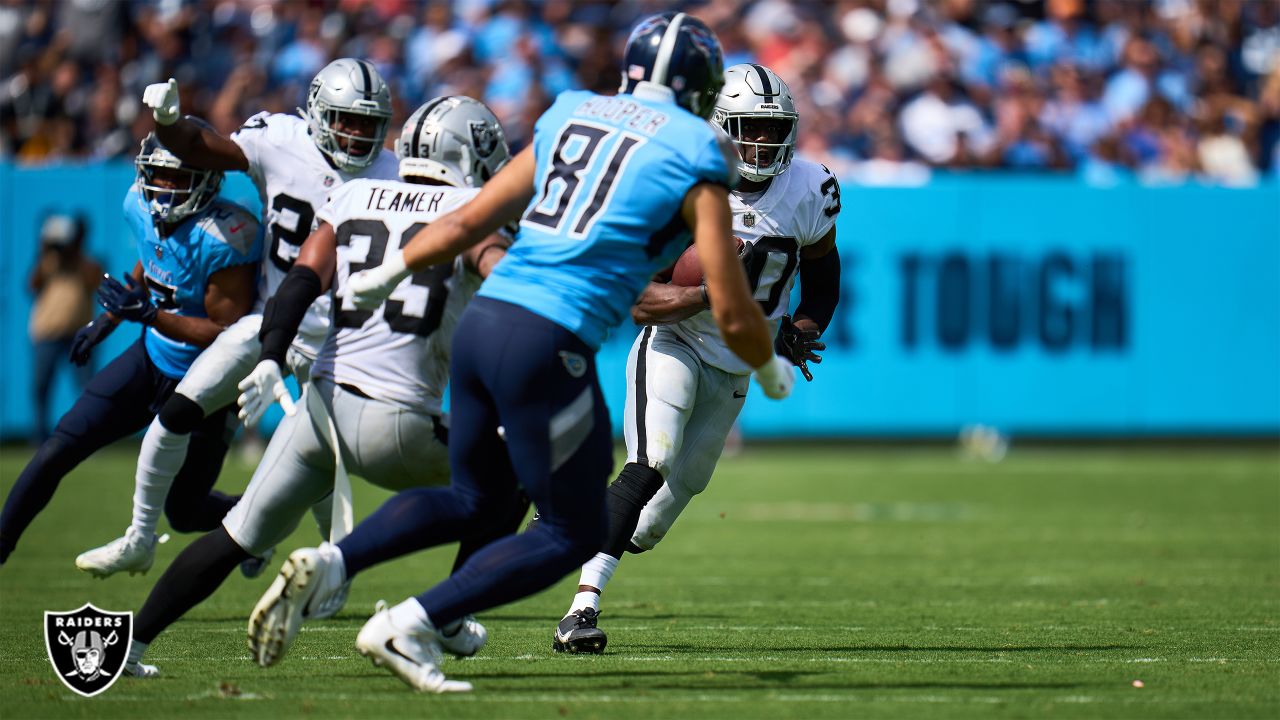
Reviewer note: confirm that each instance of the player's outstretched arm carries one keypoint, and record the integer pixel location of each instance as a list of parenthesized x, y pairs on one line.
[(199, 146), (501, 201), (741, 323)]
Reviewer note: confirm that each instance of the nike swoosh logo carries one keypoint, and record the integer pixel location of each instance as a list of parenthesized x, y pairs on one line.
[(739, 395), (236, 228), (390, 645)]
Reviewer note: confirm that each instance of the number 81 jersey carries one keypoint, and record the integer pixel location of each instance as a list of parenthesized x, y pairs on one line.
[(399, 352), (797, 210)]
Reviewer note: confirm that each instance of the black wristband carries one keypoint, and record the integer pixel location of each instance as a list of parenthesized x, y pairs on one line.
[(285, 311)]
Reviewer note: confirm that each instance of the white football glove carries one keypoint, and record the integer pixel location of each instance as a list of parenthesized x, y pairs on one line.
[(162, 98), (776, 377), (260, 390), (368, 289)]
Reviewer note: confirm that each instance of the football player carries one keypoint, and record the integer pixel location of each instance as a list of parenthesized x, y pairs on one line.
[(685, 387), (608, 193), (295, 162), (376, 386), (195, 276)]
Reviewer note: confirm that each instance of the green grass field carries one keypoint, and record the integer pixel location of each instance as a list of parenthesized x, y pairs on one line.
[(819, 582)]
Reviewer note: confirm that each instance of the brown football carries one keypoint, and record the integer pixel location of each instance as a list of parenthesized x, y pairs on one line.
[(688, 269)]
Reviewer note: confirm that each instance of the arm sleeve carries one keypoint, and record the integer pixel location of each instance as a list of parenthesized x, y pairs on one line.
[(285, 311), (820, 288)]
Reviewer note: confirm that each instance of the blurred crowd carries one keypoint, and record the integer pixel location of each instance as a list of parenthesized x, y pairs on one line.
[(889, 91)]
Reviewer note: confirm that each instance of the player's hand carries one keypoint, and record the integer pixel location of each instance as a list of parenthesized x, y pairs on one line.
[(87, 338), (263, 388), (776, 378), (799, 346), (127, 303), (368, 289), (162, 98)]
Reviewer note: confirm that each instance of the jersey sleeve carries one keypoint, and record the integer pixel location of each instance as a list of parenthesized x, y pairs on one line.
[(825, 191), (717, 159), (233, 237), (135, 213), (328, 213), (255, 138)]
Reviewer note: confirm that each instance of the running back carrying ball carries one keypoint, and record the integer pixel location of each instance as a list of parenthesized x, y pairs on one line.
[(687, 272)]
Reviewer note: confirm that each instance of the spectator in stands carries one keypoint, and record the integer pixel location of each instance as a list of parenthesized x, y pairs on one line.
[(63, 281)]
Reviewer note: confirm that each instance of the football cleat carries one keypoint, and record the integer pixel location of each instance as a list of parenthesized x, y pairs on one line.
[(308, 578), (577, 633), (133, 553), (466, 639), (140, 670), (414, 658), (254, 566), (331, 605)]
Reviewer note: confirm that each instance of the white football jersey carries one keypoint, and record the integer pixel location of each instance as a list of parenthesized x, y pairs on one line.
[(294, 180), (398, 353), (797, 209)]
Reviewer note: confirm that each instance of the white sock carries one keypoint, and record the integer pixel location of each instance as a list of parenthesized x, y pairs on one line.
[(598, 570), (135, 652), (159, 461), (410, 617), (584, 600)]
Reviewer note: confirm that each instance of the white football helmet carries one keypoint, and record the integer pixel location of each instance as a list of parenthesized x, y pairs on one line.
[(756, 92), (351, 86), (452, 139)]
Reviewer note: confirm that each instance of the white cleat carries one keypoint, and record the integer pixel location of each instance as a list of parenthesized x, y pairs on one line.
[(466, 639), (254, 566), (414, 658), (139, 670), (132, 553), (331, 605), (309, 578)]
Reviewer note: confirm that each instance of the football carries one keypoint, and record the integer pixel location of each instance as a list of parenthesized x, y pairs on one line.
[(688, 269)]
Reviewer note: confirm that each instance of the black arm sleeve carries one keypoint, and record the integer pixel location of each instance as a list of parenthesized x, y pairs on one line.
[(285, 311), (820, 288)]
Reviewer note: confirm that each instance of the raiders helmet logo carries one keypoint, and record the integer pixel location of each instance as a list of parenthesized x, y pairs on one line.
[(483, 138), (88, 647)]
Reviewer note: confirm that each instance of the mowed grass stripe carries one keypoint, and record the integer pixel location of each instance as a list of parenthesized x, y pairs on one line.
[(891, 582)]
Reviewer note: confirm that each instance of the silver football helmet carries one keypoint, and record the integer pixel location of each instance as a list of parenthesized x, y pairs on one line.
[(173, 191), (353, 87), (754, 92), (452, 139)]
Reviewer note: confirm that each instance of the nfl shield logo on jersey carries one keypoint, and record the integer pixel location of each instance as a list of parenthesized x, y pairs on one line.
[(749, 219), (88, 647)]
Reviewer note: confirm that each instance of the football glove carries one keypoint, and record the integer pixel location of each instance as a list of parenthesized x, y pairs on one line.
[(127, 303), (88, 337), (798, 346), (260, 390), (776, 378), (368, 289), (162, 98)]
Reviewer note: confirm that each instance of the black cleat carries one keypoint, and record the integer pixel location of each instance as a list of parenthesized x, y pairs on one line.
[(577, 633)]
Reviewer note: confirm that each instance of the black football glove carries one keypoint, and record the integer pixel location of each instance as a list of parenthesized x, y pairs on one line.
[(127, 303), (88, 337), (798, 346)]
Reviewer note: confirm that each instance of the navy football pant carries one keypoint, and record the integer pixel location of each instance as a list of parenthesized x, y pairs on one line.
[(537, 381), (120, 400)]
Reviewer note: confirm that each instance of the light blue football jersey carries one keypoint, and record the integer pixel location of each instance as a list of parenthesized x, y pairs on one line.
[(178, 267), (611, 175)]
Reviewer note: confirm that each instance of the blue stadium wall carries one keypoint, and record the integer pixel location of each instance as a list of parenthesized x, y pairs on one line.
[(1036, 305)]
